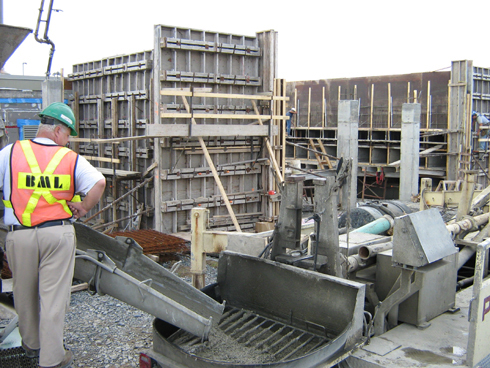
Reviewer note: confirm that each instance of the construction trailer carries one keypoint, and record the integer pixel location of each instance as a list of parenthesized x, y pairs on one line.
[(448, 141)]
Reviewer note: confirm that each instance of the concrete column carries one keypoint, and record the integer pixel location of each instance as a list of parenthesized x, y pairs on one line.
[(347, 147), (410, 147), (288, 226), (326, 198), (460, 86), (52, 91), (268, 42)]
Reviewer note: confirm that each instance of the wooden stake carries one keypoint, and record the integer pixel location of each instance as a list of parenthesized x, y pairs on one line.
[(322, 147), (318, 157), (309, 106), (389, 106), (324, 122), (428, 105), (372, 106), (269, 149)]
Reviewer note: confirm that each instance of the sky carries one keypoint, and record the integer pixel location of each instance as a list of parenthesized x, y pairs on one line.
[(318, 39)]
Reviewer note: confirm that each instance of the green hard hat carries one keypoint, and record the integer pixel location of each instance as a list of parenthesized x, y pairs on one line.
[(62, 113)]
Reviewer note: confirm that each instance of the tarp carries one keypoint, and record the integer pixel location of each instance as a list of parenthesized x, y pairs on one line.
[(10, 38)]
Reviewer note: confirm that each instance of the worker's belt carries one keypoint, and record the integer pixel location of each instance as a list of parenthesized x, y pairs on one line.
[(45, 224)]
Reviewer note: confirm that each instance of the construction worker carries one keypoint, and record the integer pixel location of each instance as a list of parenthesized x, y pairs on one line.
[(290, 114), (40, 178), (481, 123)]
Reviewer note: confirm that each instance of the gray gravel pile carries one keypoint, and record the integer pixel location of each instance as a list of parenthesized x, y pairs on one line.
[(103, 332)]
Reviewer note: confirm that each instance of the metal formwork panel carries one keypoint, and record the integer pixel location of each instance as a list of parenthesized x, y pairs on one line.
[(381, 99), (119, 97), (220, 63), (113, 100), (481, 90)]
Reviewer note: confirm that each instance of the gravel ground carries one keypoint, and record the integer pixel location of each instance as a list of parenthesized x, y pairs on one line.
[(104, 332)]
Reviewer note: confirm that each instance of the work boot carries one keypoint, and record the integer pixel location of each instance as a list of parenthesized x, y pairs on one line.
[(30, 353), (65, 363)]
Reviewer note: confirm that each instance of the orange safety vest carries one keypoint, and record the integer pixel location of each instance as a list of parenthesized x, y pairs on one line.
[(42, 181)]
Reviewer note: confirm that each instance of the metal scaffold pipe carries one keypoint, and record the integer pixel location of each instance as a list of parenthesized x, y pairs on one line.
[(468, 224)]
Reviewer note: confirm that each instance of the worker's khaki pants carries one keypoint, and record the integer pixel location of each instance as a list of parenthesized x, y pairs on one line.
[(42, 263)]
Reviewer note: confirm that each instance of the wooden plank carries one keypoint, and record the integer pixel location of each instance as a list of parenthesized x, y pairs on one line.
[(389, 106), (173, 115), (119, 173), (322, 148), (309, 108), (79, 287), (215, 173), (324, 123), (103, 159), (318, 157), (422, 153), (372, 107), (187, 93), (166, 91), (209, 130), (269, 149)]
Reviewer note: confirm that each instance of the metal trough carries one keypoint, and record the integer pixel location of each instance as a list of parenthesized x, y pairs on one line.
[(283, 315), (117, 267)]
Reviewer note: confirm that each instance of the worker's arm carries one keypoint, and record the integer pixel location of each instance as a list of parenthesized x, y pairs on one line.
[(80, 209)]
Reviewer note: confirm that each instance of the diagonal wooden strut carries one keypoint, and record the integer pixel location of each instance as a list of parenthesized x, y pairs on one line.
[(213, 170), (269, 148)]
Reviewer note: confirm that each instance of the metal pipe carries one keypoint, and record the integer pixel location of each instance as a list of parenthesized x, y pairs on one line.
[(355, 263), (378, 226), (465, 282), (468, 224), (369, 251)]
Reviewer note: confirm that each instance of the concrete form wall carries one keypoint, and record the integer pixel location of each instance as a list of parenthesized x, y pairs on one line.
[(112, 99), (381, 100), (120, 96)]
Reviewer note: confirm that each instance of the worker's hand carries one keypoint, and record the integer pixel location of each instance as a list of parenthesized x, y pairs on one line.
[(77, 209)]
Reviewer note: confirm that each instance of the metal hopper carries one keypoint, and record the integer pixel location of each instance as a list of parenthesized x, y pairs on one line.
[(283, 315)]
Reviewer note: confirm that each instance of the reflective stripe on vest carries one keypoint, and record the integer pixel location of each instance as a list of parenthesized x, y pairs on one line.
[(42, 183)]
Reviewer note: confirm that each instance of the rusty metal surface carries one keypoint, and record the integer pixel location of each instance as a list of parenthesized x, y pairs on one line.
[(155, 242), (152, 242)]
